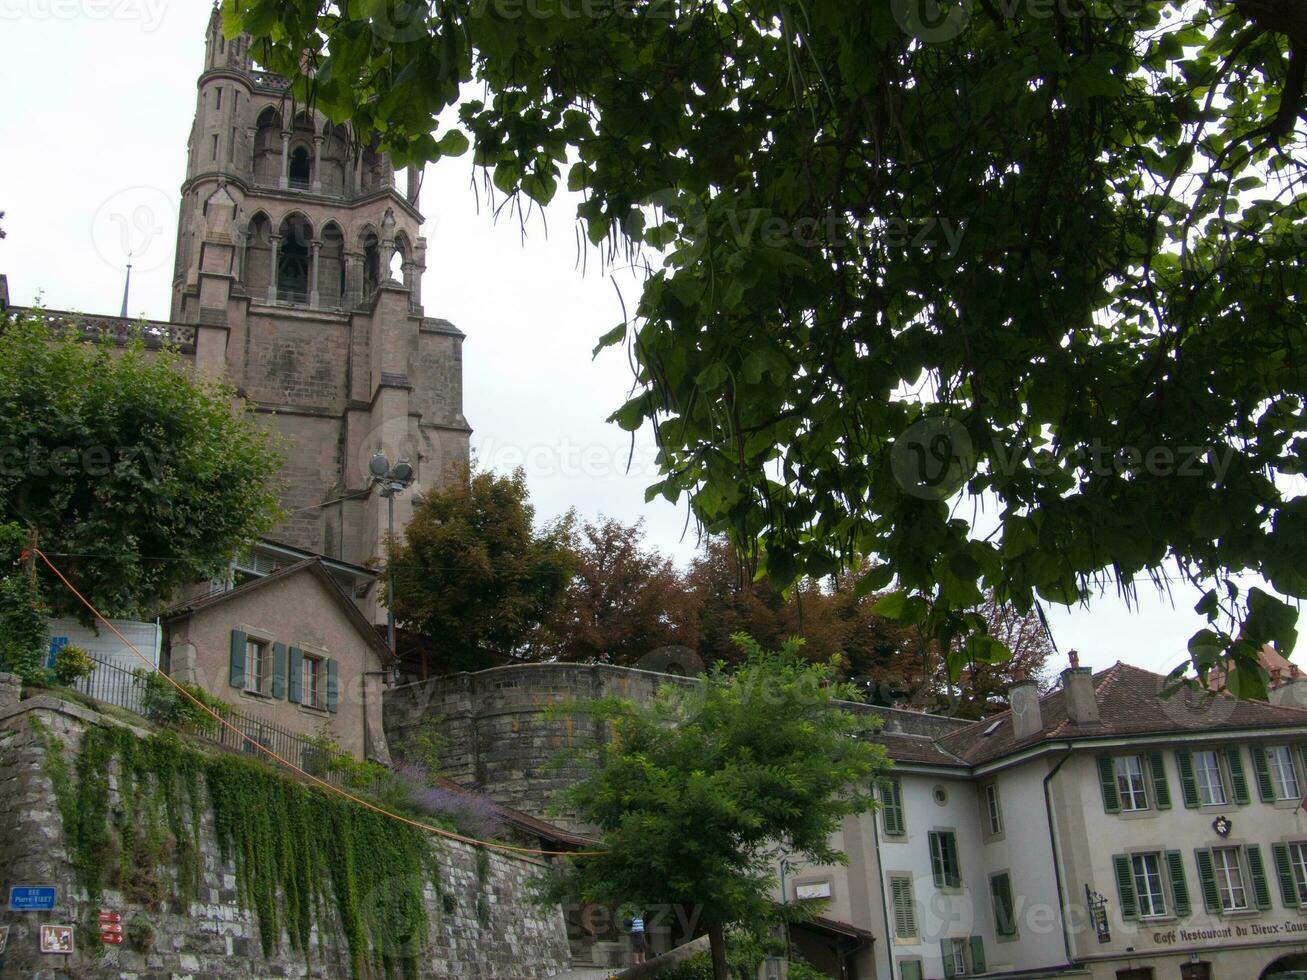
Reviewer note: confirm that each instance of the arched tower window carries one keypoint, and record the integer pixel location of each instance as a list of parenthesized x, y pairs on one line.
[(371, 263), (267, 146), (402, 253), (301, 167), (257, 270), (331, 267), (293, 259)]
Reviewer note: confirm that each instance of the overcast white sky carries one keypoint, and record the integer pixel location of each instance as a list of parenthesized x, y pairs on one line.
[(96, 100)]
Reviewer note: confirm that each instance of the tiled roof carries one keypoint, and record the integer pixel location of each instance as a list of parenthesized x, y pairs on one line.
[(1129, 703), (917, 748), (314, 567)]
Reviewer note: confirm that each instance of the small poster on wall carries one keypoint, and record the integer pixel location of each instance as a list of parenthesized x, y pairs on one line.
[(56, 939)]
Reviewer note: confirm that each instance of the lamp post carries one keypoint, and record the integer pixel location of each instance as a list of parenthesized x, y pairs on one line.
[(392, 480)]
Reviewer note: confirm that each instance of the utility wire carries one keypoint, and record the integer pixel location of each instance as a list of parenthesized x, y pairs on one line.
[(286, 762)]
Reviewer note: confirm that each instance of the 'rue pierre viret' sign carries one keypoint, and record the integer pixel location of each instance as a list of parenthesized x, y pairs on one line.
[(32, 898)]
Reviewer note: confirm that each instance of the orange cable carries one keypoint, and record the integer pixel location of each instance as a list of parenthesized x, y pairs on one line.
[(287, 763)]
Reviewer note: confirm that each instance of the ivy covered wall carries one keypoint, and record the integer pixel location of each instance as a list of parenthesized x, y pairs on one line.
[(224, 868)]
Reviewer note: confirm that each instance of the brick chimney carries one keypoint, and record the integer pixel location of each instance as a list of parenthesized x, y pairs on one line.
[(1023, 696), (1078, 693)]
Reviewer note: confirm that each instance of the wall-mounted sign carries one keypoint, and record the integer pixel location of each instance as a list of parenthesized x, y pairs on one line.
[(1222, 826), (57, 939), (4, 939), (28, 898), (820, 889), (111, 928)]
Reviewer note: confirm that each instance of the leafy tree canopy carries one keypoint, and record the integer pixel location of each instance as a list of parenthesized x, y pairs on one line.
[(696, 793), (473, 574), (1046, 256), (138, 479)]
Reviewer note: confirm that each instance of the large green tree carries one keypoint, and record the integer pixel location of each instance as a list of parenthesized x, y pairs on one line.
[(697, 793), (472, 572), (1046, 256), (138, 478)]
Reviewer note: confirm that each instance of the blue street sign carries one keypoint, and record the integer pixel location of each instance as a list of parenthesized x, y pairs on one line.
[(25, 899)]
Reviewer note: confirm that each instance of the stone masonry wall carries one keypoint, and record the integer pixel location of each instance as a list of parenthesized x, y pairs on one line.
[(501, 742), (486, 927)]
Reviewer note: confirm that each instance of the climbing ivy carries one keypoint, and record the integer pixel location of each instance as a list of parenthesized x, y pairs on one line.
[(302, 856)]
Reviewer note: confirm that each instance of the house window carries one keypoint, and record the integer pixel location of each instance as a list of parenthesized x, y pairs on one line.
[(256, 666), (1147, 872), (905, 909), (891, 801), (963, 957), (1207, 771), (1284, 778), (1000, 889), (1229, 879), (218, 103), (944, 859), (1298, 862), (993, 813), (1130, 782), (313, 681)]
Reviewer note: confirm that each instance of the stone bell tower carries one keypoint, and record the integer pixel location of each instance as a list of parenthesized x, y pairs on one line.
[(301, 261)]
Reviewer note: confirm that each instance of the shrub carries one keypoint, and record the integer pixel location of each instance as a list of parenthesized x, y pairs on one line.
[(164, 705), (71, 663)]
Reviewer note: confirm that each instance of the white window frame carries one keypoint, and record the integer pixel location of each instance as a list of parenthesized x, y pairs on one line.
[(993, 809), (1131, 786), (958, 950), (313, 681), (1150, 886), (1298, 867), (1284, 775), (256, 655), (1227, 869), (1203, 775)]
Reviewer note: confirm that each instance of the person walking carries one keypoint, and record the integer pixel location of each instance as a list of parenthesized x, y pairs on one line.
[(639, 940)]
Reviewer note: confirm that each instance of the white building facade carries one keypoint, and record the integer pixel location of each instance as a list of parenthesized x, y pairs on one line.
[(1101, 831)]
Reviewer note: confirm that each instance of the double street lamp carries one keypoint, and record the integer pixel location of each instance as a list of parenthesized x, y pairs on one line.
[(391, 480)]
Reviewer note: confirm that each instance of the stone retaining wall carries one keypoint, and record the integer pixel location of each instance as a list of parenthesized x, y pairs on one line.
[(501, 741), (485, 928)]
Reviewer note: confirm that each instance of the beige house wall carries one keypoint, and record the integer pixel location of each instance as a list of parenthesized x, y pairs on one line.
[(297, 611)]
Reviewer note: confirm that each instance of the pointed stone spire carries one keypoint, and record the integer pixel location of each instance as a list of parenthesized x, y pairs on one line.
[(127, 286)]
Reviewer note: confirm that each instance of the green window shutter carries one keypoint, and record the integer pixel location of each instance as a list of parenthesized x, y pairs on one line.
[(1257, 870), (295, 694), (1188, 785), (238, 640), (891, 796), (1179, 887), (910, 970), (1207, 878), (1161, 788), (952, 867), (1000, 889), (905, 912), (279, 670), (977, 954), (1239, 784), (936, 859), (1262, 771), (1107, 778), (1125, 887), (1283, 871), (331, 685), (946, 951)]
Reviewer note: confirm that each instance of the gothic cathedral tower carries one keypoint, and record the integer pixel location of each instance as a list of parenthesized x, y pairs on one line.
[(300, 262)]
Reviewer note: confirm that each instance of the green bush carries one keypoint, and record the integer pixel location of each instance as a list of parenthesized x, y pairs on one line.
[(23, 629), (165, 705), (71, 663)]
